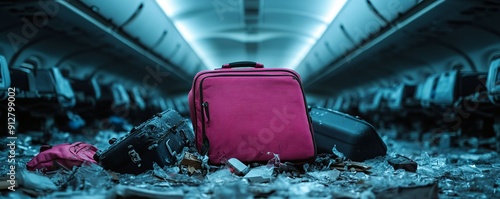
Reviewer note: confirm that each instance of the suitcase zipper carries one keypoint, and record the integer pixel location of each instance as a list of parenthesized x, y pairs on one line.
[(206, 112)]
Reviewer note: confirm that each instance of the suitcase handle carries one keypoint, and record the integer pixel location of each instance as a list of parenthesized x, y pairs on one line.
[(243, 64)]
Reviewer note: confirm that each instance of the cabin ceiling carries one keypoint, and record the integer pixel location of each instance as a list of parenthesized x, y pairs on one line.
[(337, 46)]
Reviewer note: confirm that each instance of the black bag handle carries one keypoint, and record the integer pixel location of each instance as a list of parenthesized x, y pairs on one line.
[(243, 64)]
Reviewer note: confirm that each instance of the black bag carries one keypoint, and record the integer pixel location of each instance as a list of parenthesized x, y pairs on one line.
[(159, 139), (355, 138)]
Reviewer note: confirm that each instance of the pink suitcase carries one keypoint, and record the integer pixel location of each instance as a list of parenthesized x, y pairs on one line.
[(251, 114)]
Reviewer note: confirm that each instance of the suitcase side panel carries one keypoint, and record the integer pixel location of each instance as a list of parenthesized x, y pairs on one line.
[(246, 110), (357, 139), (194, 98), (145, 144)]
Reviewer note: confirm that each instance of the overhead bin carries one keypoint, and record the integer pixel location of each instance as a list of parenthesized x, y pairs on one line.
[(354, 23), (357, 21), (391, 9), (179, 57), (59, 49), (116, 11), (148, 26), (323, 54), (357, 34), (161, 36)]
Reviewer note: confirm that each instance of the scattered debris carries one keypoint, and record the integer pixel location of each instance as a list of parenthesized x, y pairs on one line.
[(429, 191), (260, 174), (402, 162), (339, 154), (222, 176), (234, 190), (458, 172), (261, 190), (351, 166), (328, 176), (238, 167), (34, 181), (130, 192), (191, 163), (289, 168)]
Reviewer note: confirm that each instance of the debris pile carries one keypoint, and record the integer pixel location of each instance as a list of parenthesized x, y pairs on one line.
[(407, 170)]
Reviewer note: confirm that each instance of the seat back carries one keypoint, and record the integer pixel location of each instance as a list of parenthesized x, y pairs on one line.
[(42, 90), (51, 85), (120, 95), (493, 82), (396, 98), (371, 103), (136, 99), (427, 90), (338, 103), (163, 104), (445, 92), (471, 83), (114, 99), (24, 82), (4, 78), (86, 89), (65, 95)]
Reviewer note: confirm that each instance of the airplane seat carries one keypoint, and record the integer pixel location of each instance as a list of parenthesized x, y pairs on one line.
[(384, 100), (493, 82), (54, 88), (493, 93), (41, 96), (330, 103), (338, 103), (371, 103), (353, 106), (87, 92), (4, 91), (180, 106), (114, 101), (121, 96), (400, 103), (401, 98), (170, 103), (4, 79), (137, 106), (453, 86), (22, 81), (471, 83), (420, 111), (163, 104), (428, 91), (445, 89), (136, 99), (152, 106), (450, 98)]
